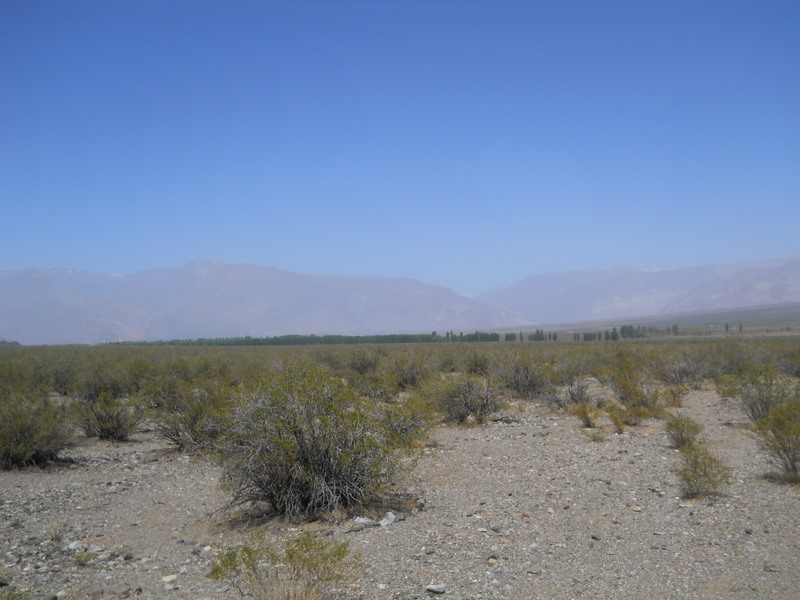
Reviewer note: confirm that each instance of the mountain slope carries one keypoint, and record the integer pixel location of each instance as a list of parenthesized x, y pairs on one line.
[(215, 299), (616, 293)]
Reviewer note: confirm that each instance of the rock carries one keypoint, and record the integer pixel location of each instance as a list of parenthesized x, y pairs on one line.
[(391, 518), (436, 588), (77, 547)]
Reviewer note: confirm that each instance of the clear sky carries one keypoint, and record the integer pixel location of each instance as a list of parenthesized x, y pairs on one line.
[(463, 143)]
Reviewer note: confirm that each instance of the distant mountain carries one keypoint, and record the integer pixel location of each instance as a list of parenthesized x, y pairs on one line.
[(624, 292), (216, 299), (748, 287)]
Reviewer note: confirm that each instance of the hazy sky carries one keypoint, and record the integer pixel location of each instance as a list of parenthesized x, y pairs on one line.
[(463, 143)]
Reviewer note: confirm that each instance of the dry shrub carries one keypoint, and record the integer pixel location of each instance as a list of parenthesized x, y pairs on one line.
[(587, 413), (465, 396), (702, 473), (758, 392), (523, 375), (305, 568), (778, 435), (306, 444), (674, 395), (108, 417), (33, 429), (682, 430), (194, 418)]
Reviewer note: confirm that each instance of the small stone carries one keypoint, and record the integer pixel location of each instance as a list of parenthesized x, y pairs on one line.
[(169, 578), (389, 519), (534, 571), (436, 588)]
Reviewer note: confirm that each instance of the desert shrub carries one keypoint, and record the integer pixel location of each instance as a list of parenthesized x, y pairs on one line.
[(615, 413), (305, 444), (466, 396), (162, 389), (626, 376), (12, 593), (631, 390), (363, 361), (305, 568), (378, 386), (102, 379), (405, 419), (682, 430), (702, 473), (636, 415), (587, 412), (33, 429), (685, 371), (778, 435), (58, 374), (194, 418), (789, 363), (571, 375), (733, 356), (448, 362), (409, 369), (476, 363), (674, 395), (523, 375), (758, 392), (108, 417), (567, 397)]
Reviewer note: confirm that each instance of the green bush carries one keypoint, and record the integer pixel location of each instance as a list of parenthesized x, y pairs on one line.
[(682, 430), (405, 419), (99, 379), (636, 415), (409, 370), (194, 418), (108, 417), (686, 371), (778, 435), (466, 396), (674, 395), (702, 473), (588, 413), (525, 376), (33, 429), (758, 392), (378, 386), (476, 363), (305, 568), (305, 444)]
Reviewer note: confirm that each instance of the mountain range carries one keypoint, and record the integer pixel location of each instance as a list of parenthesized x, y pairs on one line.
[(216, 299)]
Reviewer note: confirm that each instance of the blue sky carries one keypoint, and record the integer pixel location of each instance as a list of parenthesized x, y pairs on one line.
[(463, 143)]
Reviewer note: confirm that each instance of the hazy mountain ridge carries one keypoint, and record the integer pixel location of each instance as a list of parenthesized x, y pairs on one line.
[(626, 292), (216, 299)]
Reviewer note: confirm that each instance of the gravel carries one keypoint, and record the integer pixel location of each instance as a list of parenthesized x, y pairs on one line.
[(526, 506)]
